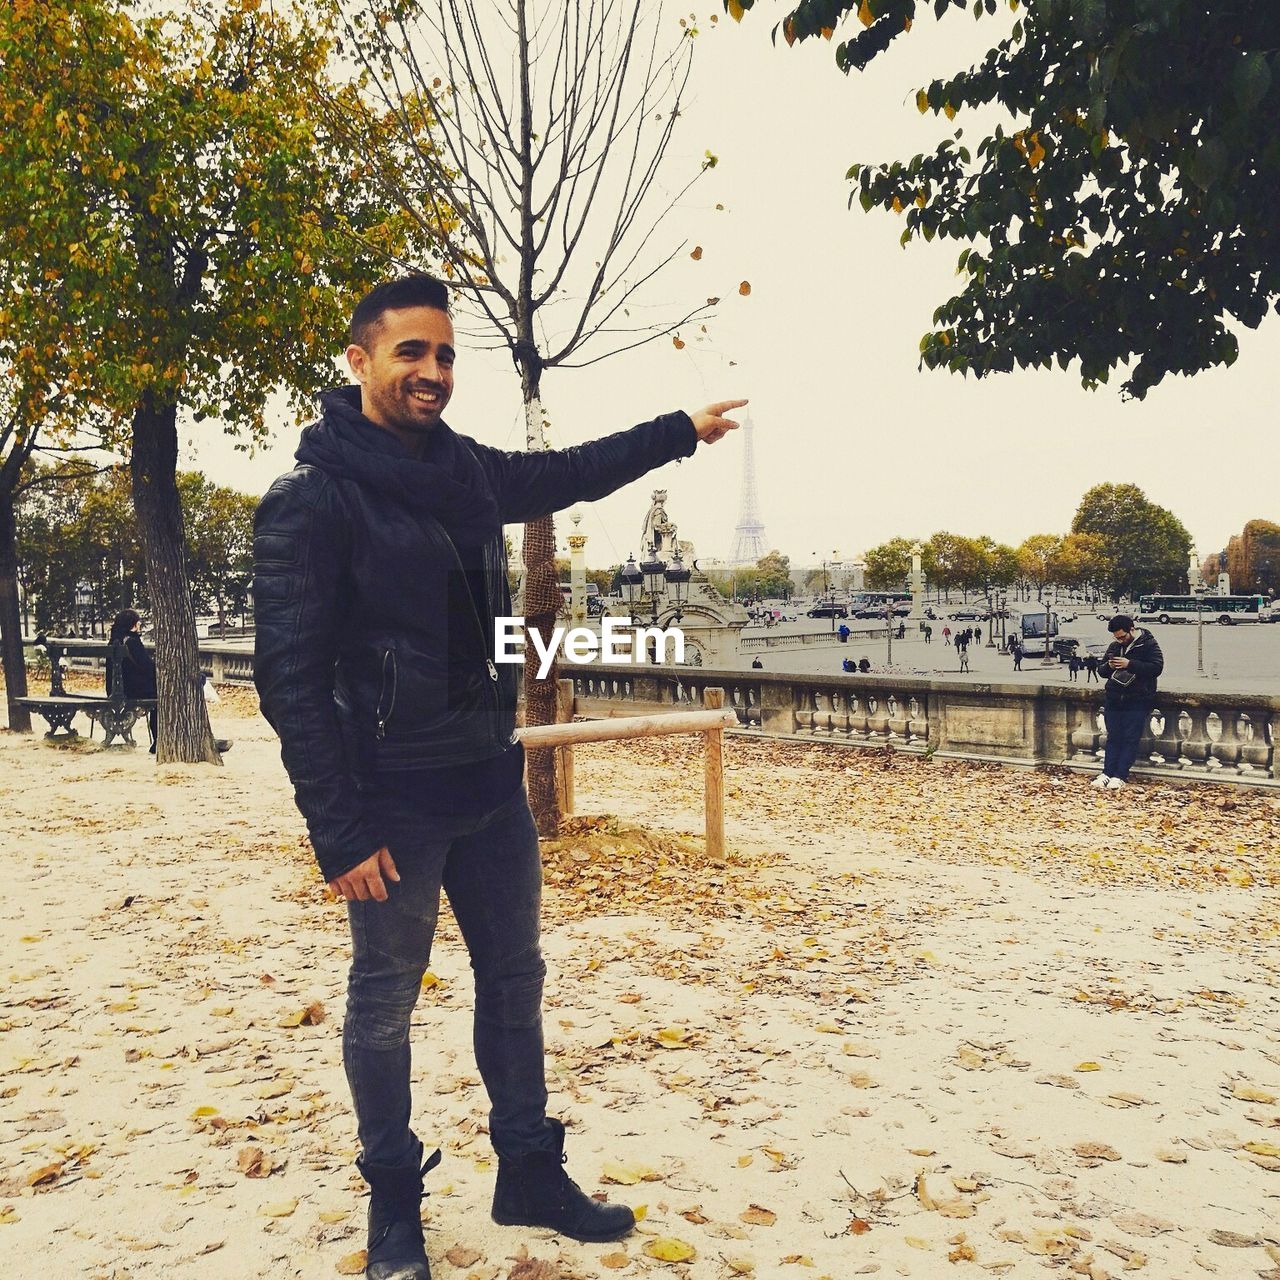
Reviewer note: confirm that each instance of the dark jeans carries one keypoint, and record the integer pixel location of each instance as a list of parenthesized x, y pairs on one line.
[(1126, 723), (491, 869)]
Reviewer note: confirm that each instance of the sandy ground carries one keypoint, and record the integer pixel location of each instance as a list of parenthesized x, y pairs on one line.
[(926, 1020)]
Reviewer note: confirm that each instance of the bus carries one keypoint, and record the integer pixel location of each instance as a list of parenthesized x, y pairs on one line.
[(1035, 628), (1226, 610)]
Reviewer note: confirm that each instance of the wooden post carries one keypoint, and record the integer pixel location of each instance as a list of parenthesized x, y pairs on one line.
[(564, 755), (713, 700)]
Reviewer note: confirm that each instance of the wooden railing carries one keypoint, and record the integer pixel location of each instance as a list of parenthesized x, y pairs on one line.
[(710, 722)]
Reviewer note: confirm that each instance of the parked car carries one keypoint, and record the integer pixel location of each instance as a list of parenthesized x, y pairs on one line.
[(828, 610), (1065, 646), (967, 614)]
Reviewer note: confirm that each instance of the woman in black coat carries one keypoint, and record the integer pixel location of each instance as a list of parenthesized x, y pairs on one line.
[(138, 670)]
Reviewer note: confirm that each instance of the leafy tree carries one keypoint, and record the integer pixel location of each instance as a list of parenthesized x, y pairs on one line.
[(1127, 214), (956, 561), (1145, 547), (1000, 562), (219, 525), (170, 182), (774, 575), (1253, 559), (1036, 557), (889, 564), (1080, 561)]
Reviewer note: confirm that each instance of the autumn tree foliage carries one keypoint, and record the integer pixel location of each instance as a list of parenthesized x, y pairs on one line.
[(180, 233), (1127, 216)]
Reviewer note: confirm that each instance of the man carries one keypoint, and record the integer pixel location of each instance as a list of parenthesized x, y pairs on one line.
[(379, 569), (1015, 647), (1132, 665)]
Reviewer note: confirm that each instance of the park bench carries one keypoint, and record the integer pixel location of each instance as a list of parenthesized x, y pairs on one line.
[(115, 712)]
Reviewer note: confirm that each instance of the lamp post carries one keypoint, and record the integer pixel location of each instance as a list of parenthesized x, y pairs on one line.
[(657, 581), (1047, 660), (991, 616), (888, 632)]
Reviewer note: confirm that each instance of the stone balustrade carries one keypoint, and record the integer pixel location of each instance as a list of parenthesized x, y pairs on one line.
[(1197, 734), (1200, 734)]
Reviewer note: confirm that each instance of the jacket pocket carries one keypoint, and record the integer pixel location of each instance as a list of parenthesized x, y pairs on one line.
[(387, 692)]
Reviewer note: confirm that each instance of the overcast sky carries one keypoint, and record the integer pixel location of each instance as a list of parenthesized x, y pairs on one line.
[(854, 445)]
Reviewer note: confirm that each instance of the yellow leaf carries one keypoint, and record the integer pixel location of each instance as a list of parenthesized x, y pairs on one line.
[(615, 1261), (353, 1264), (674, 1037), (292, 1019), (745, 288), (897, 205), (922, 102), (46, 1174), (639, 1212), (949, 111), (669, 1249), (757, 1215), (828, 32), (334, 1215), (281, 1209), (828, 1028), (744, 1161), (865, 15), (1240, 878), (740, 1266), (1247, 1093), (627, 1175), (1262, 1148), (1087, 1066), (200, 1112), (789, 32), (916, 1243), (429, 980), (8, 1216), (736, 10)]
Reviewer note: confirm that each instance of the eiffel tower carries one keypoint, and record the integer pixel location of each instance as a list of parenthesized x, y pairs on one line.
[(748, 538)]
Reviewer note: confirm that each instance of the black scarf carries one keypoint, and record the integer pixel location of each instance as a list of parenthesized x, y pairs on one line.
[(447, 483)]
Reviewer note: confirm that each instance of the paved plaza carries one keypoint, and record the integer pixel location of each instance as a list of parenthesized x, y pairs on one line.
[(1242, 659), (924, 1014)]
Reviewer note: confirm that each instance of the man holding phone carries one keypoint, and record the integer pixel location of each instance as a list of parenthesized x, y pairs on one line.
[(1132, 664)]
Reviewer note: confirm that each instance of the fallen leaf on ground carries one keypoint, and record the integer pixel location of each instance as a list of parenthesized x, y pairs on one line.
[(669, 1249)]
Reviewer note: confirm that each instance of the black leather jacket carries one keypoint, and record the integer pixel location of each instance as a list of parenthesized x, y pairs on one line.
[(1146, 662), (359, 664)]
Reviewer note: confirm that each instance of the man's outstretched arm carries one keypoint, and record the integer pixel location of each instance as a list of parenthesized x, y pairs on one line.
[(529, 485)]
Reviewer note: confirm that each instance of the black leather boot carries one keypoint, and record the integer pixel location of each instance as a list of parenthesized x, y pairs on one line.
[(396, 1250), (534, 1191)]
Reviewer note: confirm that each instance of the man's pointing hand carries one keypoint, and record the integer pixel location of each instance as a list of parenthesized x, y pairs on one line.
[(710, 424)]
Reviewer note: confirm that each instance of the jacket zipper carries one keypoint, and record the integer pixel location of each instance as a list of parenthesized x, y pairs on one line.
[(388, 659)]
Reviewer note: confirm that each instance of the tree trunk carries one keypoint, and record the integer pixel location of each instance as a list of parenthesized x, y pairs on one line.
[(15, 669), (541, 605), (184, 733)]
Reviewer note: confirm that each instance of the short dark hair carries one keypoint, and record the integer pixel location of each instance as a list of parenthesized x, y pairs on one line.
[(418, 290), (1121, 622)]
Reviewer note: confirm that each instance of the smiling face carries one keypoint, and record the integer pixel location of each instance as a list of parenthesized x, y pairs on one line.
[(406, 373)]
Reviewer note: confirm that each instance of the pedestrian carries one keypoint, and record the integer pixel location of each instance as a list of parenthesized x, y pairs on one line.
[(843, 632), (928, 634), (848, 665), (757, 665), (1091, 667), (902, 631), (864, 665), (137, 668), (1074, 663), (963, 651), (379, 571), (977, 634), (1133, 664), (946, 635), (1016, 649)]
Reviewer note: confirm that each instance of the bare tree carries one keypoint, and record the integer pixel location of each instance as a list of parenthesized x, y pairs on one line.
[(529, 139)]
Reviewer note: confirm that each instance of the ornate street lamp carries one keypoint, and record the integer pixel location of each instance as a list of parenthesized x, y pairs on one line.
[(677, 579), (654, 571), (632, 585)]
